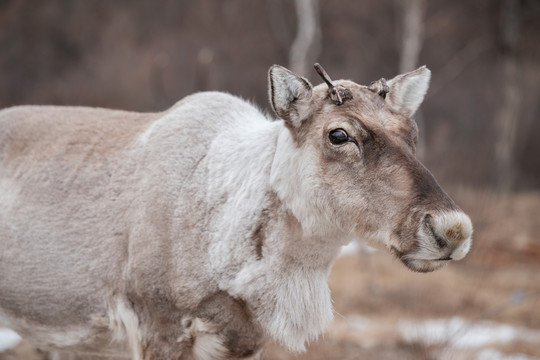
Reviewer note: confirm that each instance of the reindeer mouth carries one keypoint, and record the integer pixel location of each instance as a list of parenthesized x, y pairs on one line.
[(419, 265)]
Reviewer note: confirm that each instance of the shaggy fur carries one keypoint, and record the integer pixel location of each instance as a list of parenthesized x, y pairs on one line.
[(203, 231)]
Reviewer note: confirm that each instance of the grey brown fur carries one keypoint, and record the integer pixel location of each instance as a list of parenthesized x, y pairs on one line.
[(204, 231)]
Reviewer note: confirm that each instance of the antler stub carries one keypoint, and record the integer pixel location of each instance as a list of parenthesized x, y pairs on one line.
[(338, 94), (380, 87)]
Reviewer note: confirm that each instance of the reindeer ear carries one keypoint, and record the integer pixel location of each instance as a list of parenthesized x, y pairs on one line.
[(290, 95), (407, 91)]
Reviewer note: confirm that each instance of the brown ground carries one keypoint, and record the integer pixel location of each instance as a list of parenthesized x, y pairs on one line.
[(498, 281)]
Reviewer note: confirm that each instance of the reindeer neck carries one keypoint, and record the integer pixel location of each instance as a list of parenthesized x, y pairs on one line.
[(263, 249)]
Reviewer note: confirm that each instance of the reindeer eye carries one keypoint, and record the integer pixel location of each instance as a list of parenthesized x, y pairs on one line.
[(338, 136)]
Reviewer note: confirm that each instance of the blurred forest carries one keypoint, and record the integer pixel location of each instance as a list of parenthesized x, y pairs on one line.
[(479, 124), (480, 120)]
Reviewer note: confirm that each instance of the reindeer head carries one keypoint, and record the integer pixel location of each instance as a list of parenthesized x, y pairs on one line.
[(346, 166)]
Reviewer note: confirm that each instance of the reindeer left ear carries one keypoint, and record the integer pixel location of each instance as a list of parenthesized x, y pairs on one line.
[(290, 95), (407, 91)]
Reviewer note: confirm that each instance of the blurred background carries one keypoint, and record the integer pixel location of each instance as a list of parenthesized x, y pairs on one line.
[(480, 125)]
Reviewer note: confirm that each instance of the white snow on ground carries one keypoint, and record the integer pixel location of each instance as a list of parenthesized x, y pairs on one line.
[(449, 338), (356, 247), (460, 333), (491, 354), (8, 339)]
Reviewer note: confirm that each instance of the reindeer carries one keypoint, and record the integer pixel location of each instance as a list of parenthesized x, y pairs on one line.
[(204, 231)]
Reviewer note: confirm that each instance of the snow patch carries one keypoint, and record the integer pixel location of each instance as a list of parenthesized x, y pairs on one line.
[(491, 354), (8, 339), (356, 247), (460, 333)]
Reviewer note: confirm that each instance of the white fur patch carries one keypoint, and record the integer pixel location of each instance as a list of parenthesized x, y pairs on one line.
[(206, 344), (294, 307), (448, 219), (303, 310), (9, 191), (462, 250), (294, 177), (125, 326), (238, 170), (208, 347)]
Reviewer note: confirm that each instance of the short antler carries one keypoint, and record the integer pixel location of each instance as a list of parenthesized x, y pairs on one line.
[(380, 87), (338, 94)]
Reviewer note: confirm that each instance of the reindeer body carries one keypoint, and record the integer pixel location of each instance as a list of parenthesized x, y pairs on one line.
[(198, 233), (104, 203)]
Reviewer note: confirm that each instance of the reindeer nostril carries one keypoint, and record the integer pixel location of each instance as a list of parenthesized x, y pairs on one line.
[(439, 240), (428, 221)]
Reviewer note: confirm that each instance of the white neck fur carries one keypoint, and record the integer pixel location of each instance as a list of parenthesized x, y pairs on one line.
[(286, 288)]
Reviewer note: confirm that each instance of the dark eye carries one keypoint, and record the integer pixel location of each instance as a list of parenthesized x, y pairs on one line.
[(338, 136)]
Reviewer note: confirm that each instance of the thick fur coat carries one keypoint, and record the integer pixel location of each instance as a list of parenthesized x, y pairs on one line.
[(203, 231)]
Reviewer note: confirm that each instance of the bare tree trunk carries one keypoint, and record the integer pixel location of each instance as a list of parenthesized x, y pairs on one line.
[(413, 33), (507, 116), (411, 45), (307, 44)]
